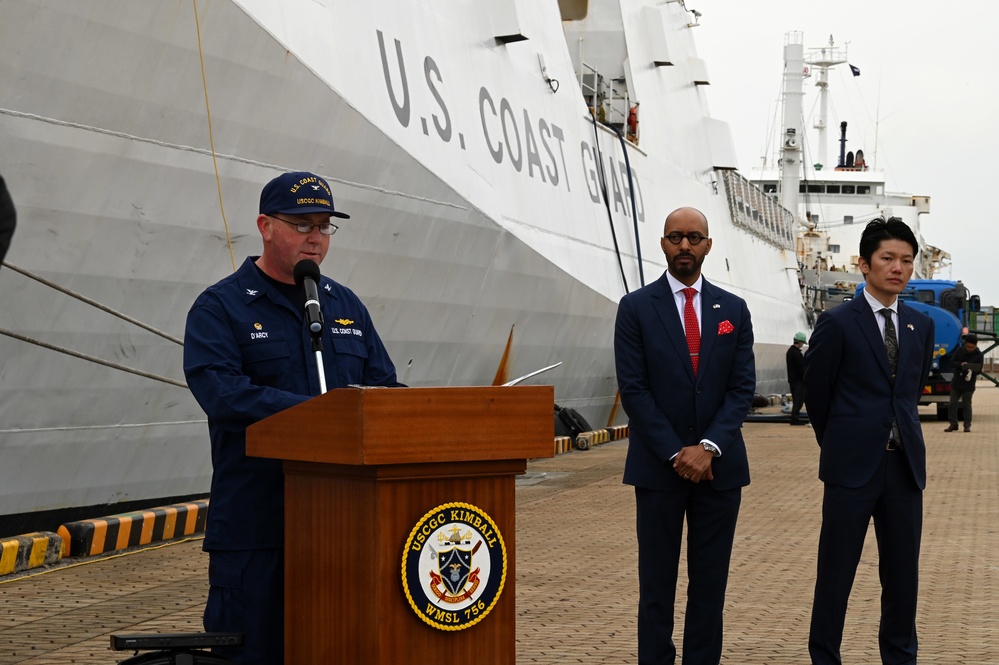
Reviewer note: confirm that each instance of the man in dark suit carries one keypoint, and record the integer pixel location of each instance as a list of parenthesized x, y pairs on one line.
[(686, 374), (865, 369)]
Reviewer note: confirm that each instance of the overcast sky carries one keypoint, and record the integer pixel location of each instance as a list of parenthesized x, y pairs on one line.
[(929, 72)]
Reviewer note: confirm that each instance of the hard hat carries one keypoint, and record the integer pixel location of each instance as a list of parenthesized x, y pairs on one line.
[(800, 337)]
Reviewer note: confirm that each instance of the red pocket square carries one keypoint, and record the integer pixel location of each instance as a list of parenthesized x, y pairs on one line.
[(725, 327)]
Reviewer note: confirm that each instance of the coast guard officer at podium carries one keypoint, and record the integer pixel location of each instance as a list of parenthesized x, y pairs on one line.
[(248, 355), (686, 372)]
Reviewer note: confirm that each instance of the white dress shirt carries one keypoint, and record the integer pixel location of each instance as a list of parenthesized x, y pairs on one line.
[(877, 306)]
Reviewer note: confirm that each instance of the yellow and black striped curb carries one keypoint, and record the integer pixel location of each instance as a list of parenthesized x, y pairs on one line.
[(118, 532), (29, 551), (586, 440), (563, 444)]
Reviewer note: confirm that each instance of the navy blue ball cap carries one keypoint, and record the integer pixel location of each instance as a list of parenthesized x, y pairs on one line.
[(298, 193)]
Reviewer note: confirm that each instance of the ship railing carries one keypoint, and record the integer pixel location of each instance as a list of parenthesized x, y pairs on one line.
[(757, 213), (606, 98)]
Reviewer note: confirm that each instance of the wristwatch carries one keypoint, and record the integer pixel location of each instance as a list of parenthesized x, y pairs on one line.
[(711, 448)]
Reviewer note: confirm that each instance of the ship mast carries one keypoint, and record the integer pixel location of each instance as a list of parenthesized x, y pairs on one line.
[(824, 59), (790, 156)]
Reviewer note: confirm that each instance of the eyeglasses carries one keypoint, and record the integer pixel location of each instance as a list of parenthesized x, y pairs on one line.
[(326, 228), (694, 238)]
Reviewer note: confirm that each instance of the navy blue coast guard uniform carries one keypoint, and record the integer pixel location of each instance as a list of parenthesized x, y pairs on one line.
[(248, 355)]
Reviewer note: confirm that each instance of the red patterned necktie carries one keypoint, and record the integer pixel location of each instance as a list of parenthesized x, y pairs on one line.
[(691, 327)]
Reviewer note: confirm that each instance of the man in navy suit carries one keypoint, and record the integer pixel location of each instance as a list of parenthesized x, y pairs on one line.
[(862, 404), (686, 374)]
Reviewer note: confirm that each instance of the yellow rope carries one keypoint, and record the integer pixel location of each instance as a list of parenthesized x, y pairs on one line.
[(211, 137)]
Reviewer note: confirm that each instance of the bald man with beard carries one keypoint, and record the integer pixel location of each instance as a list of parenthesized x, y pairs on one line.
[(686, 373)]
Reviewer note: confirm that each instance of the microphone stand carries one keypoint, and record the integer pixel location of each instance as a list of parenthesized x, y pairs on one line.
[(317, 347), (307, 277)]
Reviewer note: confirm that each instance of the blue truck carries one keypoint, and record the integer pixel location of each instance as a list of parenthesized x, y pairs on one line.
[(950, 305)]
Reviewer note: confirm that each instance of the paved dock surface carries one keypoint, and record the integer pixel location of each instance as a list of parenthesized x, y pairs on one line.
[(576, 567)]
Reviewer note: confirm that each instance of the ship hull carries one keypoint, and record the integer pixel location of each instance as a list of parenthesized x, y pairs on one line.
[(492, 230)]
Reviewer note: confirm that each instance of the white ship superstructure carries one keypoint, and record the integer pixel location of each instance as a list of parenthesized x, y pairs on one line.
[(834, 195), (493, 226)]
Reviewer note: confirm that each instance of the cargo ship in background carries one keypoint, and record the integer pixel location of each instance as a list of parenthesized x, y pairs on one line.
[(833, 195), (507, 167), (833, 204)]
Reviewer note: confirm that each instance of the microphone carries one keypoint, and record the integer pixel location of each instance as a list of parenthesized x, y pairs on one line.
[(307, 276)]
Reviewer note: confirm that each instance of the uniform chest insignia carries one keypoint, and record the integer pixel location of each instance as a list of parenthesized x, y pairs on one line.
[(258, 332), (344, 322)]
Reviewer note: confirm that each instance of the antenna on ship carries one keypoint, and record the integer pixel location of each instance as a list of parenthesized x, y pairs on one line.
[(823, 59)]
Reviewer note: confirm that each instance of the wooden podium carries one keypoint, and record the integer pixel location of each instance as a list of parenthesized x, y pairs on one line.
[(363, 466)]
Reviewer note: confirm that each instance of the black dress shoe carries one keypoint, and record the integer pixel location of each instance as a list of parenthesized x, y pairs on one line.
[(952, 428), (967, 429)]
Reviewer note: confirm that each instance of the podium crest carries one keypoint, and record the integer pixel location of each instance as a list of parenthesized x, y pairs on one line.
[(454, 566)]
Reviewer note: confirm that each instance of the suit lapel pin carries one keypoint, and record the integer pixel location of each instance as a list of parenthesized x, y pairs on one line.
[(909, 326), (716, 306)]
